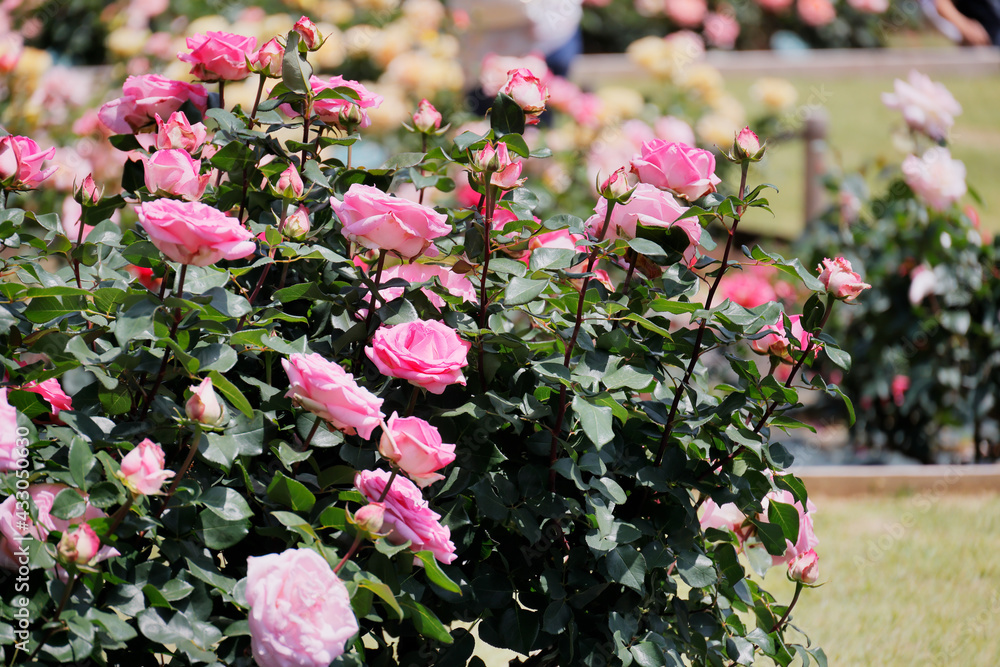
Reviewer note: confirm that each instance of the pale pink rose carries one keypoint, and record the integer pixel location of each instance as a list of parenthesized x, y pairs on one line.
[(923, 283), (79, 545), (493, 73), (300, 611), (777, 344), (268, 59), (426, 353), (686, 13), (407, 514), (14, 527), (52, 392), (816, 12), (528, 91), (328, 391), (927, 106), (898, 387), (219, 56), (174, 172), (724, 517), (648, 206), (936, 178), (204, 407), (674, 130), (297, 224), (12, 455), (688, 171), (176, 132), (416, 447), (194, 233), (870, 6), (142, 469), (309, 33), (805, 567), (426, 118), (807, 539), (721, 30), (840, 280), (336, 111), (496, 158), (749, 288), (21, 163), (146, 96), (455, 284), (379, 221)]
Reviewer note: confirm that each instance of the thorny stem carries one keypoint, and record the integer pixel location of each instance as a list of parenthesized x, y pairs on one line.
[(267, 267), (119, 516), (76, 260), (312, 434), (413, 401), (166, 351)]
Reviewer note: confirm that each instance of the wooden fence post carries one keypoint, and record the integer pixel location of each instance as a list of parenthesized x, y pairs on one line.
[(814, 136)]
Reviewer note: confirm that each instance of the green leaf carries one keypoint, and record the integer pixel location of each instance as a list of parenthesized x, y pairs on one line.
[(69, 504), (786, 517), (647, 654), (290, 493), (232, 394), (81, 461), (833, 389), (425, 621), (596, 421), (696, 569), (506, 116), (523, 290), (435, 573), (793, 484), (234, 156), (155, 597), (295, 69), (403, 160), (384, 592), (219, 533), (227, 503), (627, 566), (838, 356), (772, 536)]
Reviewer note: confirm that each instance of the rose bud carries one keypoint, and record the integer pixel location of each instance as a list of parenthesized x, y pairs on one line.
[(79, 545), (805, 567), (747, 146), (310, 34), (297, 224), (426, 119), (616, 186), (370, 517), (268, 59), (142, 469), (204, 406), (289, 184), (528, 91), (89, 192), (497, 159), (351, 116), (840, 280)]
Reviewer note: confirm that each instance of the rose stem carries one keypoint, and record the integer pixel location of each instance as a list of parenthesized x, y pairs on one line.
[(166, 352), (246, 168), (795, 598), (193, 441), (489, 206), (372, 302), (423, 146)]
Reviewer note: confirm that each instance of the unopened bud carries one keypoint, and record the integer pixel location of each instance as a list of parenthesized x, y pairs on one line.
[(426, 119), (297, 224), (310, 34), (370, 518), (289, 183), (616, 186), (350, 117), (747, 146), (79, 545), (89, 193), (268, 59), (805, 567), (204, 406)]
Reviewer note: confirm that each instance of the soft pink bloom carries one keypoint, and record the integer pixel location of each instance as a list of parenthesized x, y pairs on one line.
[(686, 13), (328, 391), (816, 12), (528, 91), (52, 392), (870, 6), (335, 111), (494, 69), (688, 171), (721, 30), (12, 455), (289, 183), (174, 172), (11, 48), (142, 469), (426, 353), (194, 233), (899, 386), (379, 221), (805, 567), (426, 118), (407, 514), (674, 130), (204, 406), (219, 56), (79, 545), (840, 280), (648, 206), (417, 449), (13, 529), (21, 163), (297, 224), (176, 132), (936, 178), (455, 284), (923, 283), (777, 344), (268, 59), (146, 96), (300, 611), (749, 288), (309, 33), (724, 517), (927, 106)]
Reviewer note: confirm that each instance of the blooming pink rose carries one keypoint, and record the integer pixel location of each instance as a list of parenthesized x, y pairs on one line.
[(426, 353), (174, 172), (416, 447), (927, 106), (816, 12), (648, 206), (494, 69), (528, 91), (176, 132), (777, 345), (204, 406), (936, 178), (840, 280), (455, 284), (721, 30), (870, 6), (146, 96), (194, 233), (52, 392), (407, 514), (426, 118), (331, 393), (14, 526), (805, 567), (219, 56), (142, 469), (268, 59), (674, 130), (379, 221), (724, 517), (300, 611), (335, 111), (309, 33), (807, 539), (686, 170), (12, 455), (21, 163), (686, 13), (749, 288), (79, 545)]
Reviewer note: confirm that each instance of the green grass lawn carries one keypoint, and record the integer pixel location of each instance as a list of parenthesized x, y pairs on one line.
[(861, 135)]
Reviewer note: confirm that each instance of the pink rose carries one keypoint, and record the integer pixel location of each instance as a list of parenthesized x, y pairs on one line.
[(219, 56), (559, 238), (174, 172), (426, 353), (21, 163), (497, 159), (688, 171), (379, 221), (370, 518), (297, 224), (805, 567), (147, 96), (204, 406), (142, 469), (52, 392), (176, 132), (747, 144), (416, 447), (839, 280), (268, 59), (870, 6), (528, 91), (686, 13), (807, 539), (724, 517), (289, 185), (615, 186), (336, 111), (79, 545), (816, 12), (300, 611), (309, 33), (194, 233), (749, 288), (455, 284), (426, 118), (407, 514), (648, 206), (777, 345), (721, 30), (11, 48), (494, 69), (13, 456), (13, 528), (328, 391), (935, 178), (927, 106)]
